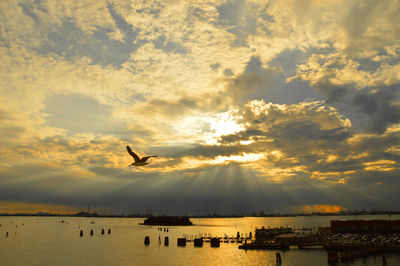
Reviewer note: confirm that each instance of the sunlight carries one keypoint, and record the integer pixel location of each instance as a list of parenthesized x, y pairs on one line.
[(381, 165), (191, 162), (321, 208), (225, 124), (332, 177), (246, 157), (208, 129)]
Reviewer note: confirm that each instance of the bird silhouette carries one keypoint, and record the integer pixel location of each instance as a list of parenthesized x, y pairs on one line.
[(138, 161)]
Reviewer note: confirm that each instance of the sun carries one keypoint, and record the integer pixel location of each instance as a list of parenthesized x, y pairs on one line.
[(208, 129), (224, 124)]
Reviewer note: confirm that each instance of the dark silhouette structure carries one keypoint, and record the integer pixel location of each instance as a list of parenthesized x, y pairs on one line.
[(167, 221), (365, 226), (138, 161)]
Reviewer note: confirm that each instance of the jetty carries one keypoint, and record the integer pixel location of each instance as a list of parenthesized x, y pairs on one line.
[(280, 238)]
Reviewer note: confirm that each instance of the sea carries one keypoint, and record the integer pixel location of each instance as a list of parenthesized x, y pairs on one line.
[(56, 241)]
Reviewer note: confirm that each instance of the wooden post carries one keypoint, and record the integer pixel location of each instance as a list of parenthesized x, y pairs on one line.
[(278, 258), (182, 242)]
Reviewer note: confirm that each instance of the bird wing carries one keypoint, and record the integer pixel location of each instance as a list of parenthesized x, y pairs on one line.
[(147, 157), (134, 155)]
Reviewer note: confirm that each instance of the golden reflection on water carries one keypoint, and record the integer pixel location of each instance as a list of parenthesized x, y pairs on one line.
[(47, 241)]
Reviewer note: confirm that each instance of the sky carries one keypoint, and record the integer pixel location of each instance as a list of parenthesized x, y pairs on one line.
[(273, 106)]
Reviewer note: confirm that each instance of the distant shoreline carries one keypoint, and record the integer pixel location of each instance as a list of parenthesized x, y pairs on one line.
[(95, 215)]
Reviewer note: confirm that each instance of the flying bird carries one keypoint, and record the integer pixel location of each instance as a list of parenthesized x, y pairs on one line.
[(138, 161)]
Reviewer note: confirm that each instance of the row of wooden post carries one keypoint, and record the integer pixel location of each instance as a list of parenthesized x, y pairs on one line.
[(198, 242), (91, 232)]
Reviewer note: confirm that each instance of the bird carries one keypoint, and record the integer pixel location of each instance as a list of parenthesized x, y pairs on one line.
[(138, 161)]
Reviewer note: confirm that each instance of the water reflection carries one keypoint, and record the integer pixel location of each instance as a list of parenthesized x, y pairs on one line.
[(47, 241)]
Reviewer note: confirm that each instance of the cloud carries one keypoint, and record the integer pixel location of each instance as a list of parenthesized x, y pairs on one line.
[(239, 18), (72, 42), (382, 107), (252, 83), (215, 66), (229, 188), (82, 114), (309, 139), (368, 24), (246, 103), (228, 72), (169, 46), (361, 94)]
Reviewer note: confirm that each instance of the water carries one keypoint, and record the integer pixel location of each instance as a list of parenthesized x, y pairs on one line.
[(46, 241)]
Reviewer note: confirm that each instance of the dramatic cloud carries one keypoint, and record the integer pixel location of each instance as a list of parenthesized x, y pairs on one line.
[(250, 105)]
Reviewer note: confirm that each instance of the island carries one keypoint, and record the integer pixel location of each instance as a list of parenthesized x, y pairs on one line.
[(167, 221)]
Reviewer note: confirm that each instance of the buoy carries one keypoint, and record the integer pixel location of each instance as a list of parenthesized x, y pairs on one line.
[(237, 235), (278, 258), (109, 231), (91, 232), (182, 242), (81, 234), (159, 240), (147, 240), (166, 241), (102, 231)]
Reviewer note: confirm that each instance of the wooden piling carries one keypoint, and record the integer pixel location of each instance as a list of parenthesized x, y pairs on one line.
[(147, 240), (81, 233), (215, 242), (278, 258), (166, 241), (182, 242), (198, 242), (384, 262)]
